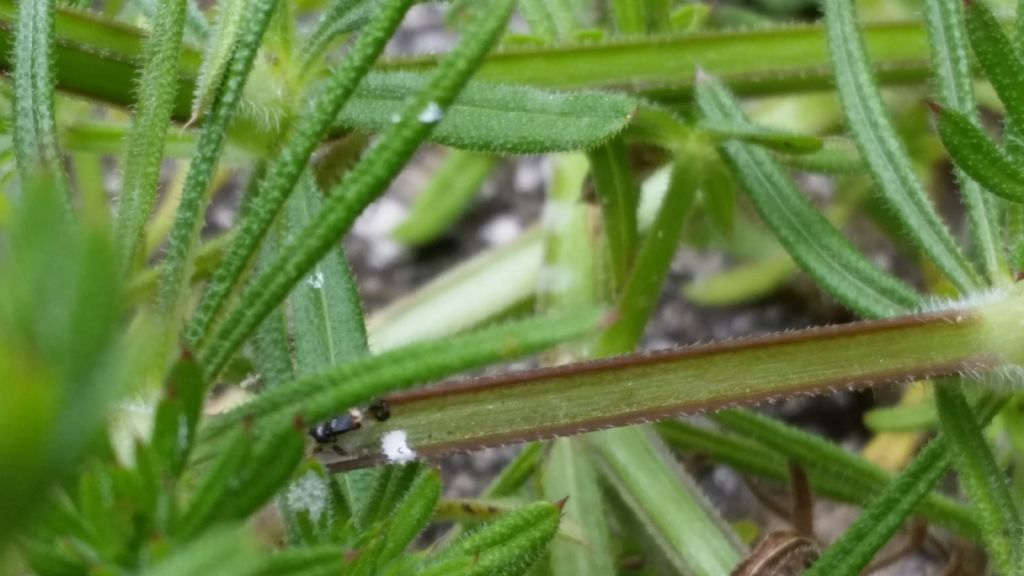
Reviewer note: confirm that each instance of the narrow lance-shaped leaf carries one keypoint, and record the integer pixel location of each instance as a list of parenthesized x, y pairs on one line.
[(35, 129), (978, 156), (284, 172), (272, 344), (552, 402), (643, 286), (226, 30), (889, 510), (183, 237), (630, 16), (492, 117), (508, 546), (779, 140), (811, 240), (341, 17), (633, 464), (360, 187), (412, 514), (327, 315), (998, 514), (569, 473), (952, 69), (750, 457), (619, 194), (884, 153), (157, 90), (999, 58), (230, 551)]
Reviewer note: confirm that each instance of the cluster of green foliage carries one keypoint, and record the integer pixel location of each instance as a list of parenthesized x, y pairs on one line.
[(118, 318)]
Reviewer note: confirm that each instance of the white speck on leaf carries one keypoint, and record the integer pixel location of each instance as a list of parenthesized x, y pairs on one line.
[(308, 494), (431, 114), (316, 280), (395, 445), (396, 118)]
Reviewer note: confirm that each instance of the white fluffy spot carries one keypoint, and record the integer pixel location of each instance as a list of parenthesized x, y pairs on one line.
[(396, 118), (395, 445), (308, 494), (432, 114), (316, 280)]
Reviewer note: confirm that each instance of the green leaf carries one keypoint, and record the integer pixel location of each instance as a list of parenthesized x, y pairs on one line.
[(35, 129), (889, 510), (272, 342), (550, 19), (229, 551), (902, 418), (630, 16), (642, 288), (61, 361), (506, 547), (828, 257), (517, 472), (360, 187), (689, 18), (751, 457), (773, 139), (499, 118), (284, 171), (412, 513), (341, 17), (180, 245), (227, 29), (327, 315), (1001, 61), (953, 72), (619, 194), (144, 155), (667, 503), (978, 156), (569, 474), (216, 486), (448, 195), (883, 152), (982, 479)]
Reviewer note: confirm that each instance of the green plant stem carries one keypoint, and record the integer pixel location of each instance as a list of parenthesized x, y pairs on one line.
[(582, 397)]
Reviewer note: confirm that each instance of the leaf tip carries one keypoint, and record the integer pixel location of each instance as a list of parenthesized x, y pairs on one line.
[(701, 75), (935, 107), (560, 504)]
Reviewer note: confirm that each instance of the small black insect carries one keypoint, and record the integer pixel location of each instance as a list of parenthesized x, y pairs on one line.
[(380, 409), (327, 432)]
